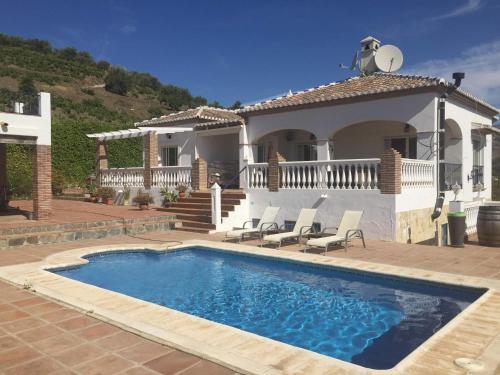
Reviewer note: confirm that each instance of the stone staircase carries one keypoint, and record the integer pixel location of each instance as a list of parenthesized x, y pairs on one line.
[(195, 212)]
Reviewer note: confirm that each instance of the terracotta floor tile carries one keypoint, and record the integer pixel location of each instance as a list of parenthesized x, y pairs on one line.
[(139, 371), (17, 356), (30, 301), (60, 315), (207, 368), (118, 341), (6, 307), (38, 366), (79, 354), (144, 351), (109, 364), (98, 331), (172, 363), (22, 324), (11, 315), (40, 333), (57, 343), (42, 308), (77, 323), (9, 342)]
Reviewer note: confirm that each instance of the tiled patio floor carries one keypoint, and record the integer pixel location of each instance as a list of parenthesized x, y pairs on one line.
[(38, 336), (67, 211)]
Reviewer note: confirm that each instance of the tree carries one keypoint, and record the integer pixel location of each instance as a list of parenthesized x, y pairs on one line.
[(117, 81), (236, 105), (27, 88), (215, 104)]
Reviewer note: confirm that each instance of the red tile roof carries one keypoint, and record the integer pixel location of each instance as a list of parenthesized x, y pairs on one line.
[(200, 114)]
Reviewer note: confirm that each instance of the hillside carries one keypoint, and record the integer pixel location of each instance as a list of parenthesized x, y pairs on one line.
[(87, 96)]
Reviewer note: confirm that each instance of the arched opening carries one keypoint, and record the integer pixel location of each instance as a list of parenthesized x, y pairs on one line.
[(293, 145), (369, 139), (450, 156)]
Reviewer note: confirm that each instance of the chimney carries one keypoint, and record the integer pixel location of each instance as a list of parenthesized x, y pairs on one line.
[(369, 47)]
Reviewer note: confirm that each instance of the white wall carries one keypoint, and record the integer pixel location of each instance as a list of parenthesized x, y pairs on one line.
[(416, 110), (218, 147), (29, 125), (185, 142), (378, 220)]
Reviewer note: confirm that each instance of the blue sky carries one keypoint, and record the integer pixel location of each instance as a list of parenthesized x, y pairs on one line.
[(251, 50)]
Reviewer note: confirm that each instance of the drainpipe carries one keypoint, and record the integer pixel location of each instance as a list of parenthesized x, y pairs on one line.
[(440, 133)]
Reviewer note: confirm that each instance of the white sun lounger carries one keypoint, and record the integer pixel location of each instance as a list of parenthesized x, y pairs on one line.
[(347, 230), (302, 226), (266, 223)]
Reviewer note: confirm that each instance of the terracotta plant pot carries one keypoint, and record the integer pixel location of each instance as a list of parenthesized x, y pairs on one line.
[(109, 202), (182, 194), (144, 207)]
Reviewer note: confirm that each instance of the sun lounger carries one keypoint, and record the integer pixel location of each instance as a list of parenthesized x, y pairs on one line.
[(302, 226), (266, 223), (347, 230)]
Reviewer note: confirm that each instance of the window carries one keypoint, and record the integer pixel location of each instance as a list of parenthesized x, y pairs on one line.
[(307, 152), (406, 146), (477, 160), (169, 156)]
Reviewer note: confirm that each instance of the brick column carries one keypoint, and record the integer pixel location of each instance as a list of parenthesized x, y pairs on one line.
[(150, 157), (199, 175), (390, 172), (42, 189), (3, 174), (274, 175), (101, 157)]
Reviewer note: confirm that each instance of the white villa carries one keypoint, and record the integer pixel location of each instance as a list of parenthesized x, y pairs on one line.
[(387, 144)]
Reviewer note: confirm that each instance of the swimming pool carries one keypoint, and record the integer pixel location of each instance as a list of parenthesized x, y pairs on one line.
[(361, 318)]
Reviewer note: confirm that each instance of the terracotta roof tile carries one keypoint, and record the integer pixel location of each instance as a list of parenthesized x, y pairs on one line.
[(375, 84), (200, 113)]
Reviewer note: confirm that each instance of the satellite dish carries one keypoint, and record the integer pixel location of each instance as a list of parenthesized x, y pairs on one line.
[(388, 58)]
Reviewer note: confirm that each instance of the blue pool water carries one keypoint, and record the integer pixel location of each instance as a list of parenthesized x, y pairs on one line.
[(362, 318)]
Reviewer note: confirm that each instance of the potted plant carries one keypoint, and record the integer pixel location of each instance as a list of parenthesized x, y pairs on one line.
[(168, 197), (106, 194), (143, 200), (181, 189), (91, 195)]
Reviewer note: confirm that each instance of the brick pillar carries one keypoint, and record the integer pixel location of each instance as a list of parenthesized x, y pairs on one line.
[(3, 164), (274, 175), (199, 175), (390, 172), (3, 174), (101, 157), (42, 189), (150, 157)]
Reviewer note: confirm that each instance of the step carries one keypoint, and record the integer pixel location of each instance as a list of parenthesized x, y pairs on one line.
[(197, 224), (192, 211), (234, 195), (192, 229), (197, 218), (224, 200), (201, 206)]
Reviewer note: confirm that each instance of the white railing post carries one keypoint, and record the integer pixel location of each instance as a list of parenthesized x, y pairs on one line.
[(216, 205)]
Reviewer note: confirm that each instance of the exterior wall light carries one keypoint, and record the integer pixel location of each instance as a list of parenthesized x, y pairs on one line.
[(456, 188)]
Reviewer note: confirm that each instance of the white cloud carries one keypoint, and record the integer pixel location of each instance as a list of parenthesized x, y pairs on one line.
[(481, 65), (128, 29), (469, 7)]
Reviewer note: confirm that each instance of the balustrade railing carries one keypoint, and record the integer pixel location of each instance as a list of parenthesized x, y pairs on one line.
[(118, 177), (257, 175), (171, 176), (417, 173), (351, 174), (471, 211)]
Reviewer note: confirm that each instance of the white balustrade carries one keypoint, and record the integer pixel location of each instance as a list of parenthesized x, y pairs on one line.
[(417, 173), (171, 176), (471, 211), (349, 174), (119, 177), (257, 175)]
